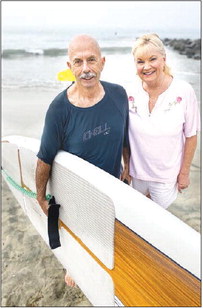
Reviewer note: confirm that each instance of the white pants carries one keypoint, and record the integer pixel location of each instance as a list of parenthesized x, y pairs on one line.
[(162, 193)]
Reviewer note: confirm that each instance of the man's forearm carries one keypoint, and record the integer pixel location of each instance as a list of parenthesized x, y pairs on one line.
[(42, 177)]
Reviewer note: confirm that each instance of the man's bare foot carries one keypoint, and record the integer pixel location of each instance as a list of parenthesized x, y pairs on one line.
[(69, 281)]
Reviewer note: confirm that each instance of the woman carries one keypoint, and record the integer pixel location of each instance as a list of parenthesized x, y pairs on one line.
[(163, 125)]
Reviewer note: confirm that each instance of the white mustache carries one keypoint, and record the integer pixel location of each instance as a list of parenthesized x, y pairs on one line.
[(87, 75)]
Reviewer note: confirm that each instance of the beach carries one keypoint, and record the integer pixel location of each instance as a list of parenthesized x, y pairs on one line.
[(31, 275)]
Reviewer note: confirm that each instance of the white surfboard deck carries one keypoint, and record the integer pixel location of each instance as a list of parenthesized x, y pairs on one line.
[(104, 197)]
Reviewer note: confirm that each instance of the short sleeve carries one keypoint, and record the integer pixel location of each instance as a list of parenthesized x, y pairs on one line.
[(126, 118), (192, 114), (52, 135), (126, 136)]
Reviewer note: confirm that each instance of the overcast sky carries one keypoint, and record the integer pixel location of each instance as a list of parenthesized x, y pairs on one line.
[(182, 14)]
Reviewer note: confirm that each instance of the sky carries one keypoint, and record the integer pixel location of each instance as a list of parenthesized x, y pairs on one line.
[(50, 14)]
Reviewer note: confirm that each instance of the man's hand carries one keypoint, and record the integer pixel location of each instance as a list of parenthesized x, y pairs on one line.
[(44, 205), (125, 176)]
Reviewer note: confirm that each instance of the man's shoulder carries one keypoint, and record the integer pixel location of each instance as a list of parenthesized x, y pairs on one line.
[(118, 96), (59, 102), (59, 97), (112, 86), (58, 107)]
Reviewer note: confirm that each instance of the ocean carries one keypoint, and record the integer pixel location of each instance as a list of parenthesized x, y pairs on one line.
[(32, 58)]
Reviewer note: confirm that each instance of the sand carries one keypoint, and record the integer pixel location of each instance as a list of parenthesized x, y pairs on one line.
[(31, 275)]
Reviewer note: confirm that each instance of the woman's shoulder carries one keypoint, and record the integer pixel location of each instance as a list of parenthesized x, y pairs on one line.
[(182, 84)]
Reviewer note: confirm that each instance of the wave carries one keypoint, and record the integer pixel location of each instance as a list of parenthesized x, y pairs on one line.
[(54, 52)]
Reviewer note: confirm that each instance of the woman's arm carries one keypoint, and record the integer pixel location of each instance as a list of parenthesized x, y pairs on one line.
[(189, 150)]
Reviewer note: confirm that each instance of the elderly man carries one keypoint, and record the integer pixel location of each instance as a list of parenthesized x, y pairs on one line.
[(88, 119)]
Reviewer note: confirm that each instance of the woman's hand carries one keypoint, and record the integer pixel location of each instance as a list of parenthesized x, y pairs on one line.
[(183, 181)]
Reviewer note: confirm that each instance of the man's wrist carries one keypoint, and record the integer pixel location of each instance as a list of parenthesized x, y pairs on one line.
[(41, 199)]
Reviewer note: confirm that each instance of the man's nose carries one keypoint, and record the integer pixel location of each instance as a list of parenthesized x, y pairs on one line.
[(85, 67)]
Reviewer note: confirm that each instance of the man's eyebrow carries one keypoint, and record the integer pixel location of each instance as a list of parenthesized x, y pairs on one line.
[(76, 59)]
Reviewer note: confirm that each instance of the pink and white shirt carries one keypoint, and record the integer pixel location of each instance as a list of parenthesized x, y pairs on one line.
[(157, 138)]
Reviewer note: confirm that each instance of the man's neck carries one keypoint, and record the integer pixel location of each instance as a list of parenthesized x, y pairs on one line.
[(88, 92), (85, 96)]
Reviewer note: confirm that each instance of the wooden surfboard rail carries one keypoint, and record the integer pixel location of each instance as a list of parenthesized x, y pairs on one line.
[(144, 277)]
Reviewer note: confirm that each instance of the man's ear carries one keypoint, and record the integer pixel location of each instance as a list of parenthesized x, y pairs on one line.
[(69, 65), (103, 61)]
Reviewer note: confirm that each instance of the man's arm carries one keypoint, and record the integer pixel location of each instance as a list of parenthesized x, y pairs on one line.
[(42, 176), (183, 177)]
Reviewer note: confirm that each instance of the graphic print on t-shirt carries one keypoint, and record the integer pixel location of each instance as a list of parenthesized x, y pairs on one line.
[(101, 129)]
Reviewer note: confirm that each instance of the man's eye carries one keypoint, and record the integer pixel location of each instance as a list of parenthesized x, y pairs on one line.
[(77, 61), (91, 60), (140, 61), (152, 59)]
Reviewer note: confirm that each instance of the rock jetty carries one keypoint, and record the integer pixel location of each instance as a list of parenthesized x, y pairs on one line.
[(190, 48)]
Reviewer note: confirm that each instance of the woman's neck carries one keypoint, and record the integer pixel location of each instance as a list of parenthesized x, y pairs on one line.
[(158, 86)]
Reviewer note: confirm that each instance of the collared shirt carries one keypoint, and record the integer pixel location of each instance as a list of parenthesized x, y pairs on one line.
[(157, 138)]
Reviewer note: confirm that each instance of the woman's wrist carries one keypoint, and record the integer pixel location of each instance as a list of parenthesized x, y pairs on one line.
[(185, 172)]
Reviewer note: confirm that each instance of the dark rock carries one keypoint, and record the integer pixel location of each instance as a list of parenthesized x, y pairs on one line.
[(197, 57), (190, 48)]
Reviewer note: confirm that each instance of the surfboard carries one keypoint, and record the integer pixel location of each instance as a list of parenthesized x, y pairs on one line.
[(120, 247)]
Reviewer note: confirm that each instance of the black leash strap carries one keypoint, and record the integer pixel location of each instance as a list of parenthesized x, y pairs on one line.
[(53, 230)]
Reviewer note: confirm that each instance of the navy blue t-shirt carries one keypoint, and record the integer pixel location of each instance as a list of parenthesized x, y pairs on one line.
[(96, 134)]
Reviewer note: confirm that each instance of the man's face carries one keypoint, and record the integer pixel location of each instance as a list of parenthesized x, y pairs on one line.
[(86, 63)]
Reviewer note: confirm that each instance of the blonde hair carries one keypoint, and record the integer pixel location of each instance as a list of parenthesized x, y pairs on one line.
[(153, 40)]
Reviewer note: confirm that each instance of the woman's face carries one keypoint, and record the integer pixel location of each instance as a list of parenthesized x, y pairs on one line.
[(150, 64)]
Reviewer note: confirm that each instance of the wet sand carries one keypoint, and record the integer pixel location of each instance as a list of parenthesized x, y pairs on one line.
[(31, 275)]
